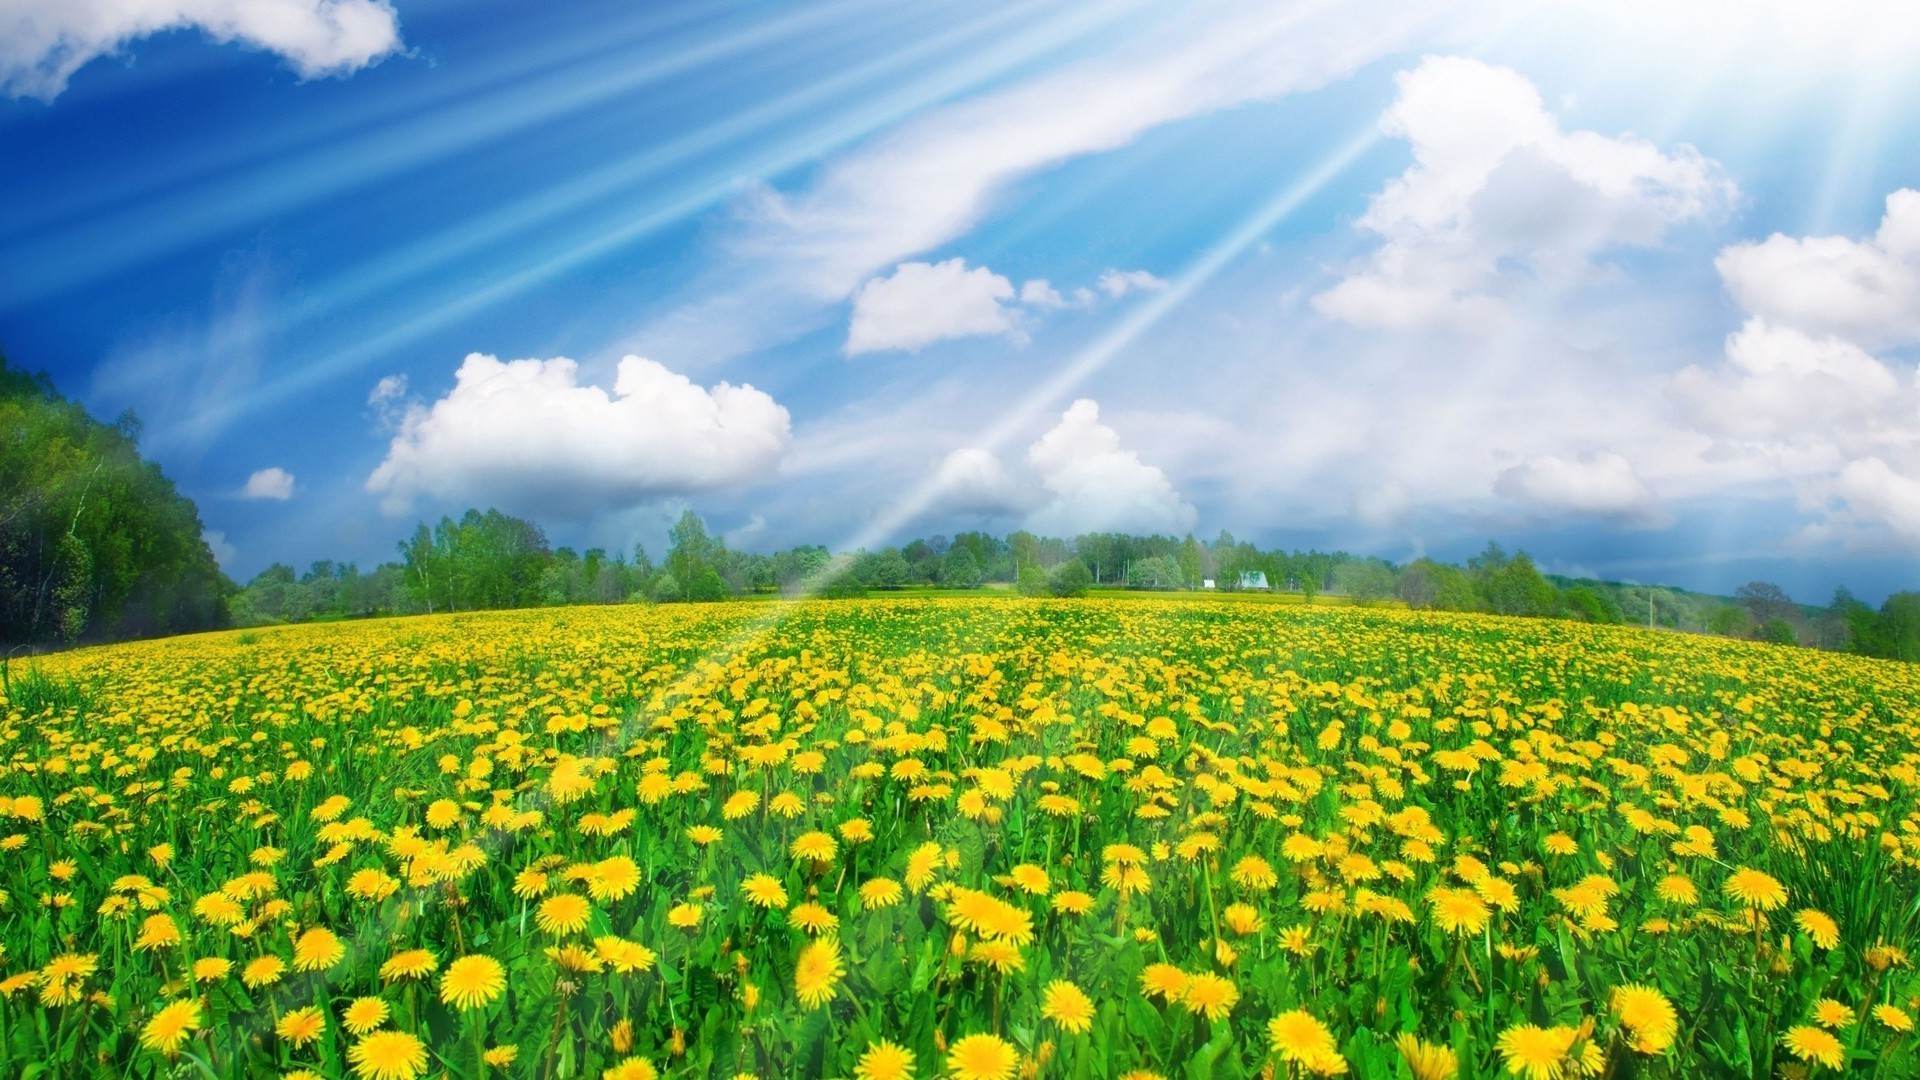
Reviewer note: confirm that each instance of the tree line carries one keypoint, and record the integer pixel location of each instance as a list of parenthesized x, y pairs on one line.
[(97, 545), (491, 560)]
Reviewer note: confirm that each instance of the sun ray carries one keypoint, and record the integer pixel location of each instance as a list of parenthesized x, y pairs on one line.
[(611, 233)]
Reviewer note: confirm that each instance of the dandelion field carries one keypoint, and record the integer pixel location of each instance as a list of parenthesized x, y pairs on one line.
[(967, 838)]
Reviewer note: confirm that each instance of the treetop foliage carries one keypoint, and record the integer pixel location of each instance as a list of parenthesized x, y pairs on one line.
[(95, 543)]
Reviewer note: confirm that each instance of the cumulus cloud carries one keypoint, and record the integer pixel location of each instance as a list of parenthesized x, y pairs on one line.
[(1497, 187), (43, 42), (1040, 295), (1871, 489), (1800, 389), (223, 550), (526, 435), (973, 481), (269, 483), (1784, 384), (932, 179), (1118, 283), (1093, 484), (1600, 484), (921, 303), (1076, 478), (1867, 291), (1778, 36)]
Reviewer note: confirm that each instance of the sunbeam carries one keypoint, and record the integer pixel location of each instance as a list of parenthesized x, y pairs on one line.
[(678, 203), (104, 246), (1137, 322)]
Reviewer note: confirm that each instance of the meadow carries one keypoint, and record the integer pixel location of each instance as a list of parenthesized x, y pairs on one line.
[(972, 838)]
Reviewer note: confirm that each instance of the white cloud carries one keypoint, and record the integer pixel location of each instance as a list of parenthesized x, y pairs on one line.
[(223, 550), (1600, 484), (1778, 36), (385, 400), (1094, 485), (922, 303), (269, 483), (1872, 490), (1076, 478), (1800, 393), (1118, 283), (1497, 187), (754, 526), (43, 42), (934, 178), (1040, 294), (1867, 291), (525, 435), (973, 481), (389, 389), (1784, 384)]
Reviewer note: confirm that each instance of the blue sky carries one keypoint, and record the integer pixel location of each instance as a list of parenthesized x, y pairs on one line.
[(1633, 285)]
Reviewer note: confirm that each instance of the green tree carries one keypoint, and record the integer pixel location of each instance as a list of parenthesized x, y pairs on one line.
[(1591, 605), (1899, 631), (691, 550), (1862, 623), (1070, 578), (1155, 572), (1437, 585), (95, 543), (1364, 580), (1192, 562), (1516, 587), (708, 587), (958, 570), (1032, 580)]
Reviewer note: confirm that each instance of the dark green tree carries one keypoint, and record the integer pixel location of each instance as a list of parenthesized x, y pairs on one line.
[(1070, 578), (95, 543), (959, 570)]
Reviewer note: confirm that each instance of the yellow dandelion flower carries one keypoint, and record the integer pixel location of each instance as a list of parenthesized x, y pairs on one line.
[(982, 1057), (170, 1028), (764, 890), (563, 913), (472, 981), (1755, 889), (1536, 1053), (264, 971), (1829, 1013), (211, 968), (1893, 1018), (1299, 1036), (300, 1026), (1427, 1061), (1163, 981), (884, 1061), (1814, 1046), (1647, 1014), (408, 964), (317, 950), (388, 1055), (1067, 1005), (1210, 995), (1819, 927), (817, 972), (364, 1015), (879, 893)]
